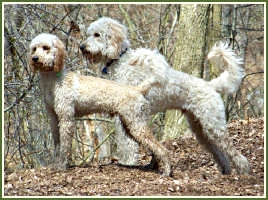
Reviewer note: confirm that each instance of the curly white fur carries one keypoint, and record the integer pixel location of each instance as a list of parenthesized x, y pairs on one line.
[(229, 81), (199, 99)]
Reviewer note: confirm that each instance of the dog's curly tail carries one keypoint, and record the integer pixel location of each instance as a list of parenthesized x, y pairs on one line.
[(230, 80)]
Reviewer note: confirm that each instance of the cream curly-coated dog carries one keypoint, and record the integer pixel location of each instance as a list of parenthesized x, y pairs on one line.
[(68, 95), (107, 43)]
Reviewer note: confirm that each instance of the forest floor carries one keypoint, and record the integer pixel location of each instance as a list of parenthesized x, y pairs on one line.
[(194, 173)]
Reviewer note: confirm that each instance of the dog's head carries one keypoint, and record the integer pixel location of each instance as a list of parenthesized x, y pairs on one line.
[(47, 53), (106, 38)]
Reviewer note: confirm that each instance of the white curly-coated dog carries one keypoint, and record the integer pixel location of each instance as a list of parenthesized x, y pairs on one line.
[(107, 43)]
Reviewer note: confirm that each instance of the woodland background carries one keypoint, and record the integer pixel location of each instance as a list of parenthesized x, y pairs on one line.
[(184, 33)]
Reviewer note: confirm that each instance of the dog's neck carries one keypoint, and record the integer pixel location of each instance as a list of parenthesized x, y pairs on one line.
[(50, 77), (110, 62)]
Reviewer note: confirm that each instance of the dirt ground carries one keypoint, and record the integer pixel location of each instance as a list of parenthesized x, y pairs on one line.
[(194, 173)]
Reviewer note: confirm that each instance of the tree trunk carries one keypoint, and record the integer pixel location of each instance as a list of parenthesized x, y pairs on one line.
[(190, 56)]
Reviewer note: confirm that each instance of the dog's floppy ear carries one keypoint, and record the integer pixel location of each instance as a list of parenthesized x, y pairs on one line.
[(117, 42), (59, 55)]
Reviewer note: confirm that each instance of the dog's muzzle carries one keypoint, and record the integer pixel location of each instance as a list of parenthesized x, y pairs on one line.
[(92, 57), (35, 59), (84, 51), (40, 66), (82, 47)]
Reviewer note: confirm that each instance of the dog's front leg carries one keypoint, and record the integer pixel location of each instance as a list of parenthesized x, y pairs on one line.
[(66, 126), (127, 150), (65, 112), (54, 125)]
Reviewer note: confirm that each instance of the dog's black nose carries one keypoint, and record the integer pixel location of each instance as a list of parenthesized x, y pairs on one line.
[(82, 47), (35, 58)]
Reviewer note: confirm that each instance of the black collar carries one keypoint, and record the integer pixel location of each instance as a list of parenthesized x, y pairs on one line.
[(104, 70)]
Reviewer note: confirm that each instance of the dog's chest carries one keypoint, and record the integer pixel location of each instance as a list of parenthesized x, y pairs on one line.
[(49, 97), (48, 90)]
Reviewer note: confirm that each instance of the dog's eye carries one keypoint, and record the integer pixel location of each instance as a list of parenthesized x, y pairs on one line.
[(46, 48), (34, 49), (96, 35)]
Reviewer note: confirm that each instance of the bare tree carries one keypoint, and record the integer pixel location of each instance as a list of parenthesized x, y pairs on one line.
[(189, 55), (182, 33)]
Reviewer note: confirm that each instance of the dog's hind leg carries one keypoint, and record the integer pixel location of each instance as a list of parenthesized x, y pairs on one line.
[(143, 135), (218, 155), (218, 143)]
